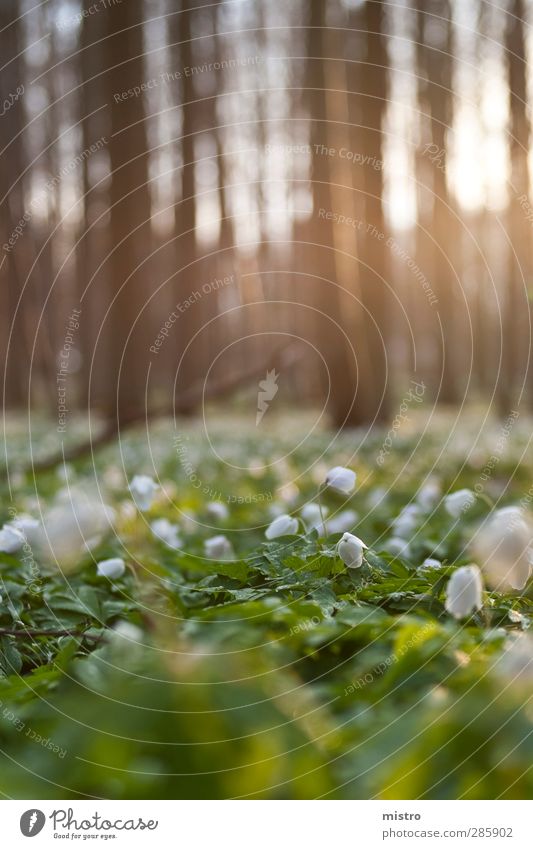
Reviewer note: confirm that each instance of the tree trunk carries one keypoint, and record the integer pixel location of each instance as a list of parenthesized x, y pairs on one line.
[(15, 351), (515, 301), (375, 279), (129, 210), (435, 69), (353, 356)]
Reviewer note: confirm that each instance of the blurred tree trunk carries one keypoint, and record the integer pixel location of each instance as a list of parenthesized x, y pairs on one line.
[(515, 300), (15, 351), (129, 224), (92, 245), (478, 234), (350, 321), (444, 222), (426, 258), (329, 339), (185, 213), (48, 233), (225, 258), (435, 69), (374, 275)]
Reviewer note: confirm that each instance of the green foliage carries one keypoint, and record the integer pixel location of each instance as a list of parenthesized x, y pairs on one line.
[(279, 674)]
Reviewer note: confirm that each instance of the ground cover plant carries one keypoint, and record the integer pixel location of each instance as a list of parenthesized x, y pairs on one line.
[(243, 616)]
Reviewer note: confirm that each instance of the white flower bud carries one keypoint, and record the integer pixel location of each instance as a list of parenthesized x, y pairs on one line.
[(217, 510), (113, 568), (398, 546), (428, 495), (282, 526), (464, 592), (126, 642), (219, 548), (407, 521), (27, 525), (377, 497), (11, 539), (166, 532), (516, 662), (143, 489), (341, 480), (70, 527), (127, 631), (503, 546), (429, 564), (459, 502), (350, 549)]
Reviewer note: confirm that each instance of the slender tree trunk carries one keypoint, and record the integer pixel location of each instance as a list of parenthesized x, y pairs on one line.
[(375, 298), (93, 235), (515, 305), (435, 59), (185, 212), (130, 233), (15, 351), (354, 367)]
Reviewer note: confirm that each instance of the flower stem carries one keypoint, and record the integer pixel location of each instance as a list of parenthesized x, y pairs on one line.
[(321, 510)]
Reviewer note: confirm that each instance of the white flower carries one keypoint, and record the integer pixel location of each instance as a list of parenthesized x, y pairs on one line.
[(282, 526), (428, 495), (65, 472), (503, 546), (377, 497), (350, 549), (343, 521), (127, 631), (112, 568), (219, 548), (167, 532), (126, 642), (75, 524), (406, 522), (143, 489), (430, 563), (217, 510), (458, 502), (27, 525), (341, 480), (516, 662), (312, 517), (511, 514), (398, 546), (464, 592), (11, 539)]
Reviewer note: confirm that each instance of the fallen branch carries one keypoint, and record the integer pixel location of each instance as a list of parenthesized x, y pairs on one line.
[(282, 357), (42, 632)]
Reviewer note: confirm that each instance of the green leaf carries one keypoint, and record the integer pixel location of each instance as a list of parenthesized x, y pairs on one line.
[(10, 657)]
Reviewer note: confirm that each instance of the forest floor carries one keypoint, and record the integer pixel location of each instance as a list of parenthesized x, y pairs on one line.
[(262, 668)]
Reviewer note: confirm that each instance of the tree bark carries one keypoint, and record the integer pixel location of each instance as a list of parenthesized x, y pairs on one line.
[(129, 214)]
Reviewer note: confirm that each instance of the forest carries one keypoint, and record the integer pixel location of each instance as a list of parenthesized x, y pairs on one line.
[(266, 524)]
